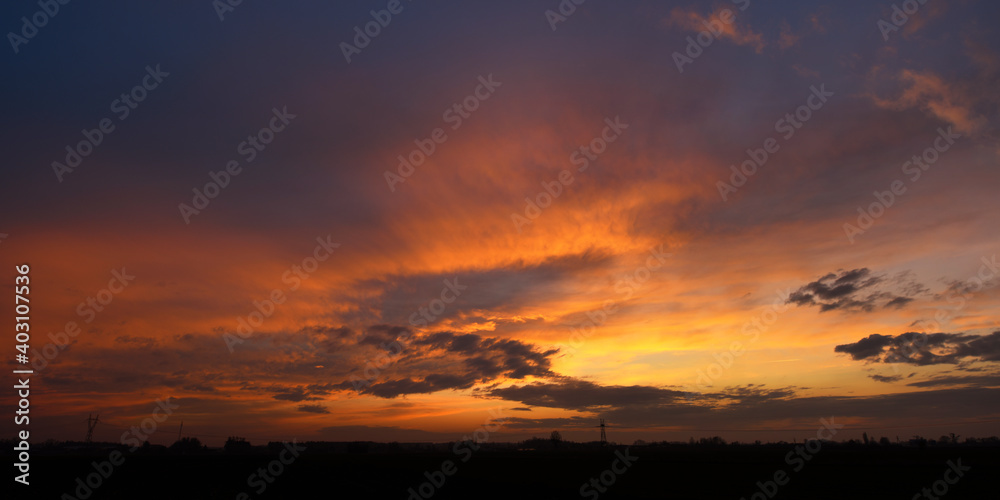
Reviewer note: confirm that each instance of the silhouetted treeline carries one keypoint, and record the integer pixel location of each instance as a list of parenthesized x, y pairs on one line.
[(240, 446)]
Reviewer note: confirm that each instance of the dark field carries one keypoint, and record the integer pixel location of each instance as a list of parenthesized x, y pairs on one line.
[(834, 472)]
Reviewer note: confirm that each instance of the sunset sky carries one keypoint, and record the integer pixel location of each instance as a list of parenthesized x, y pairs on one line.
[(578, 244)]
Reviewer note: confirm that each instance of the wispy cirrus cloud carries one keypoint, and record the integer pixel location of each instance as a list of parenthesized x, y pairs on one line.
[(930, 93), (735, 31)]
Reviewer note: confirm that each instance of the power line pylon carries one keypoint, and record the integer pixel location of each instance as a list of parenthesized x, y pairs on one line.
[(604, 436), (91, 423)]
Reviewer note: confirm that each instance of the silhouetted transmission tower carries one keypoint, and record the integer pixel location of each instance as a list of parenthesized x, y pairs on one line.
[(604, 436), (91, 423)]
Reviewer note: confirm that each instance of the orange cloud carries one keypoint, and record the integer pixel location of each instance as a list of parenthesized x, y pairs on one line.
[(787, 38), (928, 92), (922, 18), (693, 21)]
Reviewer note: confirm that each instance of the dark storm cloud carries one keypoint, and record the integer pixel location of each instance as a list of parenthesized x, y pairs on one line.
[(517, 358), (582, 395), (986, 347), (433, 382), (485, 366), (867, 347), (464, 344), (646, 406), (143, 342), (750, 394), (576, 394), (898, 302), (316, 362), (960, 290), (295, 394), (991, 380), (314, 409), (924, 349), (378, 335), (199, 388), (856, 290), (399, 298), (335, 337), (442, 361)]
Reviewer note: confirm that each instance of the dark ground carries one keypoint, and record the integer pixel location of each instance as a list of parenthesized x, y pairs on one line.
[(835, 472)]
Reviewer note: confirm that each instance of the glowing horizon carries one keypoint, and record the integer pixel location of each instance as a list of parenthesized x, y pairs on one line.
[(738, 244)]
